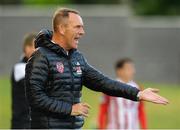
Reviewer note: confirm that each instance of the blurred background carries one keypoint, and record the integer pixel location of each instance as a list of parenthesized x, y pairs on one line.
[(148, 31)]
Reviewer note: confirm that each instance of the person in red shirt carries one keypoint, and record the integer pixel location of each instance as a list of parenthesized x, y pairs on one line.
[(120, 113)]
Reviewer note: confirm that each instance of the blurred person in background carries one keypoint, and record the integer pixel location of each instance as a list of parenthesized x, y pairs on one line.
[(20, 109), (120, 113)]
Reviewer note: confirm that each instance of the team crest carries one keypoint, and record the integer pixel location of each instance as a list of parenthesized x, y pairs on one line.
[(60, 67)]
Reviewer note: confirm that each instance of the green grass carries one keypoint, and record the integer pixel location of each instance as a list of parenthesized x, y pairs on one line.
[(5, 103), (158, 116)]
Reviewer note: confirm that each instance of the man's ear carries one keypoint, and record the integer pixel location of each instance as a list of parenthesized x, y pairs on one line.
[(61, 29)]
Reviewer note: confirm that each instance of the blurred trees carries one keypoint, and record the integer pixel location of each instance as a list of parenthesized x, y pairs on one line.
[(156, 7), (5, 2), (46, 2), (97, 1), (141, 7)]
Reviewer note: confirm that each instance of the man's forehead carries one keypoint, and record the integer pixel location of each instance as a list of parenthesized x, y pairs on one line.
[(75, 18)]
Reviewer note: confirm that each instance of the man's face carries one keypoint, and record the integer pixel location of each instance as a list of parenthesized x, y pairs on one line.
[(74, 30), (127, 72)]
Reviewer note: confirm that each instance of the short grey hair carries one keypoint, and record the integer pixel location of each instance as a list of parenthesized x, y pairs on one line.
[(60, 15)]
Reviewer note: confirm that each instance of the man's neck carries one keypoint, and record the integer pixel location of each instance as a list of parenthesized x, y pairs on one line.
[(58, 40)]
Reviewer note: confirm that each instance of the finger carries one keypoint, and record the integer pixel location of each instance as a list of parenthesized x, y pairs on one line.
[(155, 90), (84, 114), (86, 110), (87, 105), (159, 100), (157, 96), (163, 99)]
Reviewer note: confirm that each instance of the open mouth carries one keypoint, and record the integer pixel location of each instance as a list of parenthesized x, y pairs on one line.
[(77, 39)]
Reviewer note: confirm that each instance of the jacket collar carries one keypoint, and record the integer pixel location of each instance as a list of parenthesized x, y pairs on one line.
[(43, 39), (23, 58)]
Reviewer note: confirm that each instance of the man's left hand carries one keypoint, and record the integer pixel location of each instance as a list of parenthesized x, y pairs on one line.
[(150, 95)]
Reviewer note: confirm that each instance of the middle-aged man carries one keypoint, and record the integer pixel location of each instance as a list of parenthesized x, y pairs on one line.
[(57, 71)]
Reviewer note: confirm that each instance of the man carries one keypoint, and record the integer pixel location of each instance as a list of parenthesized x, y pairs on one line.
[(20, 109), (120, 113), (57, 71)]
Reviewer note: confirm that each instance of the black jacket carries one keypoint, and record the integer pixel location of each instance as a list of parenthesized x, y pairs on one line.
[(54, 82), (20, 109)]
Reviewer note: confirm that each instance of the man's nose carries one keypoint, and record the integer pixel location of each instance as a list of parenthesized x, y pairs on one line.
[(82, 32)]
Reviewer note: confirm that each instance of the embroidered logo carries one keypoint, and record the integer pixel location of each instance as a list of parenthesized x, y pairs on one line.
[(60, 67), (77, 69)]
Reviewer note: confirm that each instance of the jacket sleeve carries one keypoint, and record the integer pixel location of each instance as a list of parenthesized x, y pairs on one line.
[(95, 80), (36, 80)]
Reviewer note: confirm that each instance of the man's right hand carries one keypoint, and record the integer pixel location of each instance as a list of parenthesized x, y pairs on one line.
[(80, 109)]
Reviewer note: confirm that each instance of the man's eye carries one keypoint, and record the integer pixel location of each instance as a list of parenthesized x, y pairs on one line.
[(78, 26)]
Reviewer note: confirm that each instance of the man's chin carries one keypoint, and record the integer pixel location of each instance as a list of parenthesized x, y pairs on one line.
[(75, 46)]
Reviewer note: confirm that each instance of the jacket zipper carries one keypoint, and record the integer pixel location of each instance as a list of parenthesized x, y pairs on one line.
[(72, 85)]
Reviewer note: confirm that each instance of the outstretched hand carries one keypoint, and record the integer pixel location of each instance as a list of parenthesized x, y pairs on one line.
[(150, 95)]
